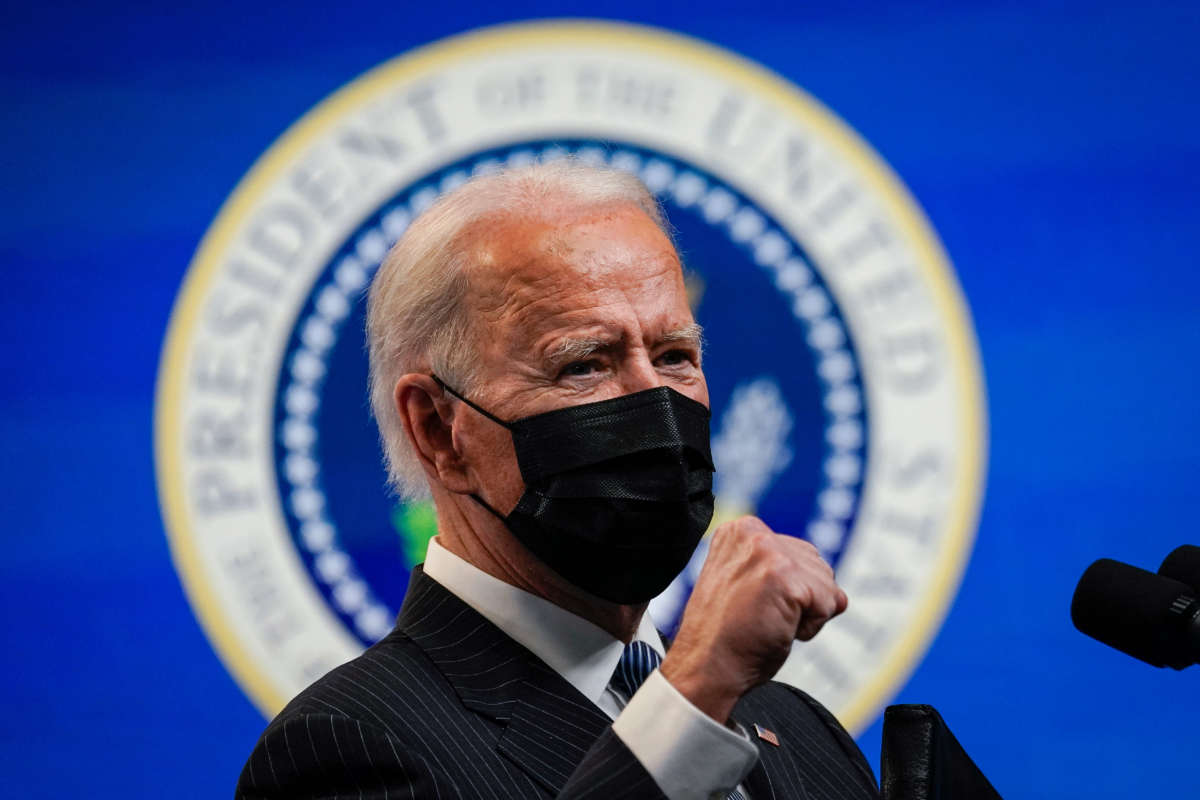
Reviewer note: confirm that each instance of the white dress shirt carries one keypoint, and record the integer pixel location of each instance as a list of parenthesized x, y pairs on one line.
[(688, 753)]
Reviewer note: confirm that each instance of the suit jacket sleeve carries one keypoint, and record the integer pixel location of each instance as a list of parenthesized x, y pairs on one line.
[(317, 755)]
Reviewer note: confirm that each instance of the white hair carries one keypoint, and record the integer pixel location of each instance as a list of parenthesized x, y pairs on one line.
[(416, 315)]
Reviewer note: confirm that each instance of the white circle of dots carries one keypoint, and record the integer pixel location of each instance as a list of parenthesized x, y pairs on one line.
[(770, 249)]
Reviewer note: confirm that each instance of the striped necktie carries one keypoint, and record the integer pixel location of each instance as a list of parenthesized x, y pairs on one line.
[(637, 662)]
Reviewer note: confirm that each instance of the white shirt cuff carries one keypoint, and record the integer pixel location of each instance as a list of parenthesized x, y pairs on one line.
[(688, 753)]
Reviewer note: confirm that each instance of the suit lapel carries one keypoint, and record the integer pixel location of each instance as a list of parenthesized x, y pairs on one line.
[(551, 728), (773, 766), (759, 782), (549, 724)]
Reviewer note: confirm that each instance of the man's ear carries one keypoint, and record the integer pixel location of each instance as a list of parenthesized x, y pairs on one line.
[(427, 415)]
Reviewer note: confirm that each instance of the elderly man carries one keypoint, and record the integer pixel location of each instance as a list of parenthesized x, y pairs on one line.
[(535, 364)]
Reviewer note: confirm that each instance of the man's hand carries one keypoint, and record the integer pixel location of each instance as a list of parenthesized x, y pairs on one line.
[(757, 593)]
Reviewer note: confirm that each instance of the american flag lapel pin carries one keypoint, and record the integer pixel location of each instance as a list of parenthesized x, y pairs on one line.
[(766, 735)]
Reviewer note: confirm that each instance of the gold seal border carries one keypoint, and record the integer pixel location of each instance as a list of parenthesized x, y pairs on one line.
[(933, 263)]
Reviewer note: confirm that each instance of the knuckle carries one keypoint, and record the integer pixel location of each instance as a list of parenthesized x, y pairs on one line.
[(761, 545), (779, 565), (727, 535), (802, 593), (751, 526), (809, 550)]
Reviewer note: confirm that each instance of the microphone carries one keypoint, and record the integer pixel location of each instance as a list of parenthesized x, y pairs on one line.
[(1153, 618), (1183, 564)]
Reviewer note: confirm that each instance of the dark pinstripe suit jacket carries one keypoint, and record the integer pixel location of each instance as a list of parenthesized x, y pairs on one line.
[(448, 706)]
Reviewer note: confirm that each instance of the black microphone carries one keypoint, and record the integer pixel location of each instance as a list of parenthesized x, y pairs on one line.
[(1150, 617), (1183, 564)]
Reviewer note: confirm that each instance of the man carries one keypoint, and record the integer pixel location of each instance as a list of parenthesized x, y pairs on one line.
[(535, 364)]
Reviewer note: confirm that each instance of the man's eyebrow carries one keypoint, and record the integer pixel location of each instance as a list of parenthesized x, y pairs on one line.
[(689, 334), (577, 348)]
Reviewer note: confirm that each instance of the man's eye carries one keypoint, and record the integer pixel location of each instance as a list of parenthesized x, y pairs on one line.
[(579, 369), (675, 357)]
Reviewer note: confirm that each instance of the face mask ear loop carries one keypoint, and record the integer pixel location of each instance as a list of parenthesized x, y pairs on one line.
[(493, 418), (493, 511), (487, 414)]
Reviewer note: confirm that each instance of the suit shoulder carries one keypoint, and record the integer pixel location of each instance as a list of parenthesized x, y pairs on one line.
[(797, 706), (801, 717), (776, 692), (377, 687)]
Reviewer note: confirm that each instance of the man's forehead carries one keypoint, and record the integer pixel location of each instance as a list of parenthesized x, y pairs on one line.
[(563, 264)]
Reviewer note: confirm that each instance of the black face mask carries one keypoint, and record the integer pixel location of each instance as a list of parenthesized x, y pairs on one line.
[(617, 493)]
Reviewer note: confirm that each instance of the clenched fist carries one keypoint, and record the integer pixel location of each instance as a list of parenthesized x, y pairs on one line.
[(758, 592)]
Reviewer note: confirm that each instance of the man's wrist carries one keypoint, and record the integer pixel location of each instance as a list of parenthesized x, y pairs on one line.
[(703, 688), (687, 752)]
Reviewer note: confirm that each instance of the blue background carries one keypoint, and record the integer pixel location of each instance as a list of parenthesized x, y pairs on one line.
[(1054, 147)]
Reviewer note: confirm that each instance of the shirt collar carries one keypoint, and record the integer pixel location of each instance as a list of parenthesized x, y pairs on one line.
[(580, 651)]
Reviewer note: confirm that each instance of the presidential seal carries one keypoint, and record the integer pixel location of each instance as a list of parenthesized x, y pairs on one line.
[(842, 365)]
